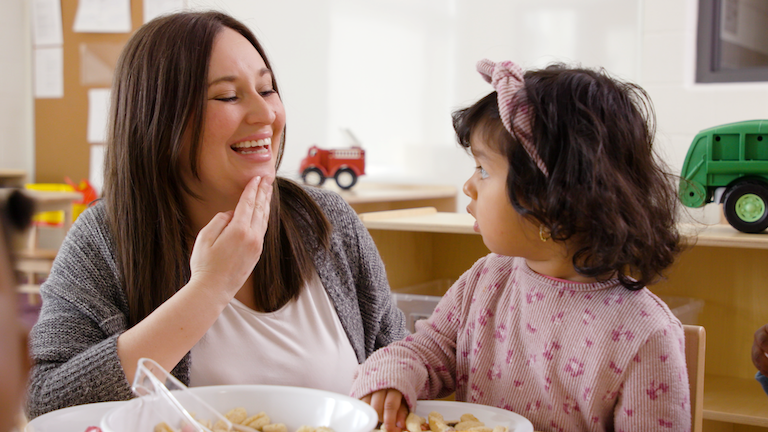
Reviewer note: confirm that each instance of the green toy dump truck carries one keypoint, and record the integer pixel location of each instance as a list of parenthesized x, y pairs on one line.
[(728, 164)]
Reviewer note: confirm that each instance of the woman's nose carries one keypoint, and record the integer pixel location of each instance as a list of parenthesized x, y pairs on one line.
[(259, 111)]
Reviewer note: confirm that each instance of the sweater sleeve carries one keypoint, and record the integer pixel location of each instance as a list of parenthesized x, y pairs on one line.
[(73, 345), (423, 365), (656, 394)]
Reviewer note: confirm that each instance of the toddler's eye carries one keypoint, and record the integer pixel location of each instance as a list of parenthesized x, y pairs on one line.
[(482, 171)]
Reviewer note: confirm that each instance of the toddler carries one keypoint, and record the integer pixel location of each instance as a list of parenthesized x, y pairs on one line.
[(555, 323)]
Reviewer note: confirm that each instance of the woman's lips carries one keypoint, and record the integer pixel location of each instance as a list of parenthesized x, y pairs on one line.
[(252, 146)]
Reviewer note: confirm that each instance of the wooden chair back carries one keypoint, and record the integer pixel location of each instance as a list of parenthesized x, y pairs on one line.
[(695, 347)]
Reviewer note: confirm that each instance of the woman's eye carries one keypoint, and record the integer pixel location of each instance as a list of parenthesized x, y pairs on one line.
[(226, 98), (265, 93)]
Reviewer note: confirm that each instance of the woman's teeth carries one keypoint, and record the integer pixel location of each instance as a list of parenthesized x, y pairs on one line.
[(251, 147)]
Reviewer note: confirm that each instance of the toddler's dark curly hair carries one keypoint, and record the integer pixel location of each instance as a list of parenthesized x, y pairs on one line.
[(607, 193)]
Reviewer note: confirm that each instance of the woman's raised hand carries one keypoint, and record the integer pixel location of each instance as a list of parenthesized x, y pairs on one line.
[(228, 248)]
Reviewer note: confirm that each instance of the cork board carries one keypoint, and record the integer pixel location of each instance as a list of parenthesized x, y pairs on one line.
[(61, 145)]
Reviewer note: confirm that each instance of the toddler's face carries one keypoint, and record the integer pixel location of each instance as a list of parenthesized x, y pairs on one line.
[(504, 231), (14, 360)]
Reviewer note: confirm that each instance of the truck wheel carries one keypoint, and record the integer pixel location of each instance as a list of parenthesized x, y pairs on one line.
[(345, 178), (746, 206), (313, 177)]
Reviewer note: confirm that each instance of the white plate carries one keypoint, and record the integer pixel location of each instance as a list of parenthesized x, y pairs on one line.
[(489, 415), (72, 419)]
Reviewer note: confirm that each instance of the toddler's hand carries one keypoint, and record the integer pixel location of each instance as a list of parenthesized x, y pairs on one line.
[(391, 407), (228, 248), (759, 350)]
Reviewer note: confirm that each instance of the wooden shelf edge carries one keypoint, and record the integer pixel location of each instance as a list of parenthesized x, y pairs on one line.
[(735, 400), (722, 235), (394, 214), (462, 223), (440, 222)]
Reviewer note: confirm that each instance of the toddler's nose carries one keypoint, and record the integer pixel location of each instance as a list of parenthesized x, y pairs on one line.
[(469, 188)]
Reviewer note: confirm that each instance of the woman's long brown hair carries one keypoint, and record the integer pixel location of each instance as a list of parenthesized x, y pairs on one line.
[(159, 90)]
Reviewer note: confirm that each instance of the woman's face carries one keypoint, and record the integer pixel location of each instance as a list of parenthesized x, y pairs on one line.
[(14, 360), (243, 124)]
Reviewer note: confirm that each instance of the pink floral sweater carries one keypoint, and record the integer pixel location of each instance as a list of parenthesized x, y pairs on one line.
[(568, 356)]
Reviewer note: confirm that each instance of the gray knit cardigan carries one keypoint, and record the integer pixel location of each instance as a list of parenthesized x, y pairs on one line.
[(74, 343)]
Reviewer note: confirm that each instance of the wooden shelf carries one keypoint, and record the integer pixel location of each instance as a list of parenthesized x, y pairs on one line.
[(723, 235), (428, 221), (12, 177), (374, 197), (719, 235), (735, 400)]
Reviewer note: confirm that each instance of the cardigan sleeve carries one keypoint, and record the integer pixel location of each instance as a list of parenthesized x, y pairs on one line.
[(382, 320), (356, 280), (655, 395), (73, 344)]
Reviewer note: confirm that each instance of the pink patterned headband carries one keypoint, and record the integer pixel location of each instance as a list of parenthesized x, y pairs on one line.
[(507, 78)]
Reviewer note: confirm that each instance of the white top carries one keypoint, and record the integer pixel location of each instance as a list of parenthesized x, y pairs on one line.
[(303, 344)]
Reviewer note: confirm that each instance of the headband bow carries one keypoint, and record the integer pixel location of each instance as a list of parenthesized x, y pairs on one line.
[(507, 79)]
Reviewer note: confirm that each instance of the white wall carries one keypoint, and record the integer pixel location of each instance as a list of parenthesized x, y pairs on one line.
[(392, 71), (16, 104)]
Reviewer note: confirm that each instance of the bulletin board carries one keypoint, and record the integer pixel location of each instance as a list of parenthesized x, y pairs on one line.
[(61, 124)]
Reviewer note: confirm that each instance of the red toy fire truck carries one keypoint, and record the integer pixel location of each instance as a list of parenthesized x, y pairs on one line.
[(344, 165)]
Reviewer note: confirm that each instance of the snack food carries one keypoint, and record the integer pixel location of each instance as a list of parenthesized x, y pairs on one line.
[(242, 422), (435, 422)]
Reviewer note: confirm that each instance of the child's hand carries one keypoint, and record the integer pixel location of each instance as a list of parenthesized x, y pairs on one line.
[(759, 350), (391, 406)]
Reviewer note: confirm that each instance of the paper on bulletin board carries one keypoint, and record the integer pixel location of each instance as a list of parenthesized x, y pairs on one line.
[(96, 167), (97, 63), (103, 16), (49, 72), (46, 22), (98, 113), (155, 8)]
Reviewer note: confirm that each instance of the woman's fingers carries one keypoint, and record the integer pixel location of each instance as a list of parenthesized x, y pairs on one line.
[(247, 203), (212, 231), (253, 208), (260, 215)]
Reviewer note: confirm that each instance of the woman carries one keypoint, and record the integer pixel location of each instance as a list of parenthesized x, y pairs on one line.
[(198, 256)]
